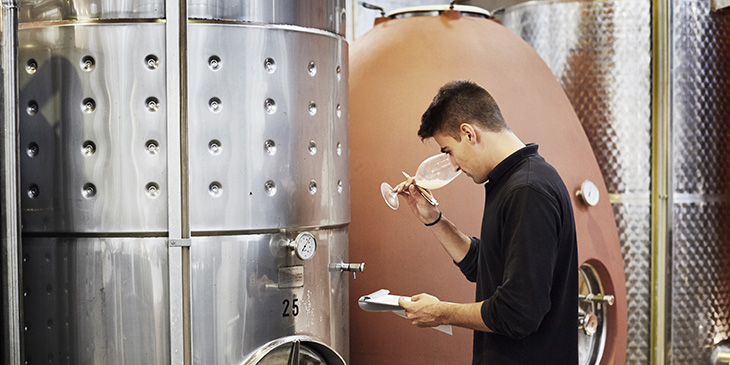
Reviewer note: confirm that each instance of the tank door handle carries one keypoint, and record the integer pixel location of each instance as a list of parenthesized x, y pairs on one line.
[(588, 322), (294, 354), (345, 266), (604, 298)]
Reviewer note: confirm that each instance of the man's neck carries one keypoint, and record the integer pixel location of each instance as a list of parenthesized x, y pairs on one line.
[(500, 146)]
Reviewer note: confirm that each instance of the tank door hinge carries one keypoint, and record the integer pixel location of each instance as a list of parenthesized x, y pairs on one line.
[(179, 242)]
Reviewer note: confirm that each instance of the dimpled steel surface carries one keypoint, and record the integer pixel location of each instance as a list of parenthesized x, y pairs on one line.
[(600, 53), (616, 41), (700, 300), (133, 181)]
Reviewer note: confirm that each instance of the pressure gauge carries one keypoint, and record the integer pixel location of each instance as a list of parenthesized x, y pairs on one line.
[(589, 193), (305, 245)]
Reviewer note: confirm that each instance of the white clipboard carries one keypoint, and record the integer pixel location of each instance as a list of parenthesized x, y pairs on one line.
[(383, 301)]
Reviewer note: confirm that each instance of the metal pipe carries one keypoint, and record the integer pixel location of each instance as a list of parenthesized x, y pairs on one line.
[(660, 212), (9, 199)]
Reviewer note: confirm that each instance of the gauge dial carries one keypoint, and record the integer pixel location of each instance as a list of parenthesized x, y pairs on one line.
[(589, 193), (305, 245)]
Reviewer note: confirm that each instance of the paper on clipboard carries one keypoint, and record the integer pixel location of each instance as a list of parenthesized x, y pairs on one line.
[(383, 301)]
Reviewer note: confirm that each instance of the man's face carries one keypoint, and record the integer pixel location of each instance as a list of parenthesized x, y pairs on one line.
[(463, 155)]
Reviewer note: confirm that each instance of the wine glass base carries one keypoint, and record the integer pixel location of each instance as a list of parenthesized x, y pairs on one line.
[(389, 196)]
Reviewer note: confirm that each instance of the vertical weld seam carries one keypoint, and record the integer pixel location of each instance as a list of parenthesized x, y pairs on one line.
[(183, 62), (184, 181)]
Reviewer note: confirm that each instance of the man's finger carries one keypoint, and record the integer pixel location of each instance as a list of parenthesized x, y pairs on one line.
[(403, 303), (413, 190), (402, 186)]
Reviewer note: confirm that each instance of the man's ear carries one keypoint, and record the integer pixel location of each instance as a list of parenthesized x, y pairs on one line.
[(469, 132)]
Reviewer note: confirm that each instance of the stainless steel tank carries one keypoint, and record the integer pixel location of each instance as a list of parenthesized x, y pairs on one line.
[(10, 332), (600, 51), (185, 181), (649, 81), (395, 70)]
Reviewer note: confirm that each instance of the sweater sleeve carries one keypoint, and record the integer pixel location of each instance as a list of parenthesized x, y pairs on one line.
[(469, 264), (531, 226)]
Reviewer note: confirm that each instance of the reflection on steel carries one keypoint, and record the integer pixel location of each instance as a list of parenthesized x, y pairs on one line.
[(10, 302), (161, 162), (55, 10), (399, 53), (274, 305), (82, 296), (328, 15)]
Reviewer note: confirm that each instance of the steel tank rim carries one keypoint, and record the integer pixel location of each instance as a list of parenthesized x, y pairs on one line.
[(122, 21), (534, 3), (264, 350), (434, 10)]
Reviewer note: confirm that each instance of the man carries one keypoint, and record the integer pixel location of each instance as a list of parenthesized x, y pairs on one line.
[(525, 262)]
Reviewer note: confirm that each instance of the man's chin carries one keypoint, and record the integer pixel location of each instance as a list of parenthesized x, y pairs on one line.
[(476, 180)]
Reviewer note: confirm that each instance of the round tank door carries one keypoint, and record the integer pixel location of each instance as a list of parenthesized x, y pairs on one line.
[(295, 350), (592, 302)]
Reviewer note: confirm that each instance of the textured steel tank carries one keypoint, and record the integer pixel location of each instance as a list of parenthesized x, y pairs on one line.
[(185, 181), (649, 82), (395, 70)]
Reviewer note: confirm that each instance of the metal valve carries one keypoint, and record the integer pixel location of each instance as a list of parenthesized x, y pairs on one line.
[(608, 299), (354, 268)]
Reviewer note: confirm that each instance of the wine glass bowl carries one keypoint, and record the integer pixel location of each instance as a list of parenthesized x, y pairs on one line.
[(433, 173), (436, 171)]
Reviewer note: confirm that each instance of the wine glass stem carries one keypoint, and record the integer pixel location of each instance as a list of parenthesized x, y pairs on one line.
[(431, 200)]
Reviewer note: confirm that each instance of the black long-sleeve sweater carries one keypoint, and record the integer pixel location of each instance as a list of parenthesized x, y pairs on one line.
[(525, 266)]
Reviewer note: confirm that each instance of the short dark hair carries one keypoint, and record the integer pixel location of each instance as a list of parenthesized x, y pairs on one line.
[(457, 102)]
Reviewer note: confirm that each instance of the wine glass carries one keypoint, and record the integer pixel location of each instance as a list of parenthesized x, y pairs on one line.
[(433, 173)]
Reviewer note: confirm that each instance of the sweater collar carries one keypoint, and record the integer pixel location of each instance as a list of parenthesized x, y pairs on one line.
[(508, 163)]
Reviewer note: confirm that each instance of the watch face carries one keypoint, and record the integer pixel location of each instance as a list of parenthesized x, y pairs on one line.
[(306, 245), (589, 192)]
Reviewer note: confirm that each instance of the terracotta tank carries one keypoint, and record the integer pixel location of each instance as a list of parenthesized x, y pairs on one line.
[(395, 70)]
